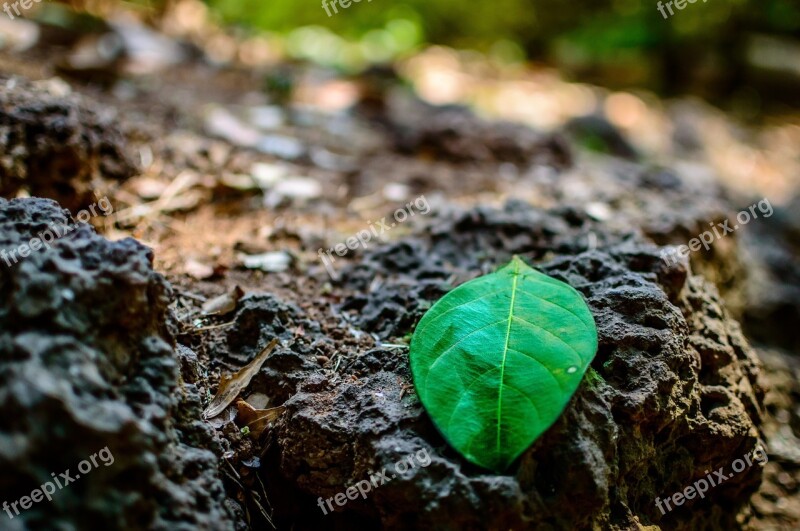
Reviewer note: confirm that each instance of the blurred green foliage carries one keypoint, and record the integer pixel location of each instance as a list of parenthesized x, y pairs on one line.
[(607, 23), (622, 42)]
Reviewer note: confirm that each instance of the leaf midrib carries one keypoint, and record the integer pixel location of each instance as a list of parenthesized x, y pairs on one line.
[(515, 273)]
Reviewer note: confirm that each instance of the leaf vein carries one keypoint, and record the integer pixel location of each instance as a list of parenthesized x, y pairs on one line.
[(547, 369), (548, 332), (528, 398), (539, 297), (466, 392), (428, 324), (451, 347)]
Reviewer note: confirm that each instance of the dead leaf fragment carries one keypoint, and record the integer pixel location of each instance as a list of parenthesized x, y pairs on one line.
[(256, 419), (222, 420), (272, 262), (198, 270), (224, 304), (258, 400), (299, 190), (253, 462), (238, 181), (231, 386), (149, 188)]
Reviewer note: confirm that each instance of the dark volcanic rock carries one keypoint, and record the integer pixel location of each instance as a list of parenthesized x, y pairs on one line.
[(260, 318), (86, 364), (597, 133), (771, 250), (455, 134), (57, 146), (674, 391), (778, 501), (394, 285)]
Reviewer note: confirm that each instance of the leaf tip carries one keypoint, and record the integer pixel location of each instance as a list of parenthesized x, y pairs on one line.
[(516, 264)]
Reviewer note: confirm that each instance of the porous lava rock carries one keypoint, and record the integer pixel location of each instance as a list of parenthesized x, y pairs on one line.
[(55, 144), (86, 363), (674, 390), (455, 134), (771, 252)]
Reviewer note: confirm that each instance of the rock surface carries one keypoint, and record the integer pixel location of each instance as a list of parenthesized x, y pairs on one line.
[(57, 145), (770, 251), (456, 134), (86, 363), (674, 389), (778, 501), (88, 360)]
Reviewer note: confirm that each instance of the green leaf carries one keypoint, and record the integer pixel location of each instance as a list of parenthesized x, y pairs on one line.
[(496, 360)]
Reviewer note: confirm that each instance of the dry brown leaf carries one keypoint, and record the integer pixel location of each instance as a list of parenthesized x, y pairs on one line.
[(256, 419), (231, 386), (223, 419), (224, 304), (178, 195)]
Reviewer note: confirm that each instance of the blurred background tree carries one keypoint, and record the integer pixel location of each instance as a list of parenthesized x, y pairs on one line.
[(717, 48)]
